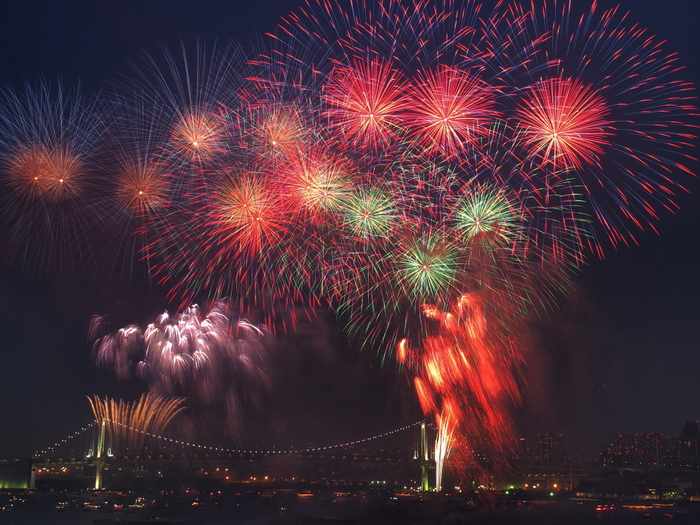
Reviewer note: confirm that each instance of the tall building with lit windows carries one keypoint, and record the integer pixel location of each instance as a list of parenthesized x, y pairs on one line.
[(686, 450), (550, 448), (649, 450)]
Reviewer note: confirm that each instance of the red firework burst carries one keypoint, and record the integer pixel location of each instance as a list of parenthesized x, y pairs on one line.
[(365, 102), (316, 181), (249, 214), (449, 109), (564, 122)]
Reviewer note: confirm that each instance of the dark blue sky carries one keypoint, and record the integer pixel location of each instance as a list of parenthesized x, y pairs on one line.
[(622, 355)]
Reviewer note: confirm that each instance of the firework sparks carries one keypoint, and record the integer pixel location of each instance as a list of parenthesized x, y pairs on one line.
[(606, 101), (217, 361), (366, 102), (128, 424), (52, 191), (252, 212), (449, 109), (565, 123)]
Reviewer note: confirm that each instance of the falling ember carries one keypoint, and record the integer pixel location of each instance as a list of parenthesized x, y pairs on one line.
[(464, 379)]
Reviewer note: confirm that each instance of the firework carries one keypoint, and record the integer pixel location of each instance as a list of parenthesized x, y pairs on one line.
[(184, 101), (50, 173), (140, 187), (217, 361), (487, 214), (316, 181), (273, 131), (449, 109), (365, 102), (404, 33), (249, 214), (430, 172), (198, 133), (370, 213), (564, 123), (463, 375), (607, 103), (52, 191), (128, 424)]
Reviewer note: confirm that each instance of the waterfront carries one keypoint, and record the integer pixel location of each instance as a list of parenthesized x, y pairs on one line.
[(287, 507)]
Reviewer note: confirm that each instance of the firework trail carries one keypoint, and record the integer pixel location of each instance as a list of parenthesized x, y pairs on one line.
[(128, 424), (215, 360), (443, 447)]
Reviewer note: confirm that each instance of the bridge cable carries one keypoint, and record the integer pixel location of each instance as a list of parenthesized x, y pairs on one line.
[(53, 447), (269, 452)]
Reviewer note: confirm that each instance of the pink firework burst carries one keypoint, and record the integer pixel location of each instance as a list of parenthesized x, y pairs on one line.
[(449, 109), (365, 102), (248, 213), (564, 122)]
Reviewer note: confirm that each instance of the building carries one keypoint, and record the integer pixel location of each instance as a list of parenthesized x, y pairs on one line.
[(550, 448), (685, 449), (649, 450)]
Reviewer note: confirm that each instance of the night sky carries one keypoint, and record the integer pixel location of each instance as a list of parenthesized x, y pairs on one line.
[(621, 354)]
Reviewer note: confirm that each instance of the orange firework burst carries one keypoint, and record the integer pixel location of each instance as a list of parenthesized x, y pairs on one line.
[(276, 131), (564, 122), (52, 173), (365, 101), (198, 133), (449, 109), (141, 188)]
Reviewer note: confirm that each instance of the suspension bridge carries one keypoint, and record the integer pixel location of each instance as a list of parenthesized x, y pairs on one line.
[(100, 453)]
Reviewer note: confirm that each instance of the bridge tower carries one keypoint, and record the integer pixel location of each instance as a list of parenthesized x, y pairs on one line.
[(424, 451), (100, 454)]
